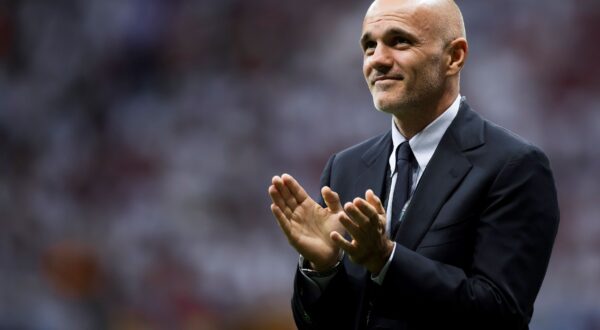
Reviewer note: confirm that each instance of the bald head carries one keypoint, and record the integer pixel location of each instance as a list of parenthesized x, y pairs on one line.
[(442, 17), (413, 52)]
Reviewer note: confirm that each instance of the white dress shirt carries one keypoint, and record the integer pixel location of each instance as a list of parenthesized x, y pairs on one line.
[(423, 146)]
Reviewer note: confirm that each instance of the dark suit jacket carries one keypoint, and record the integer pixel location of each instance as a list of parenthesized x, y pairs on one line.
[(472, 249)]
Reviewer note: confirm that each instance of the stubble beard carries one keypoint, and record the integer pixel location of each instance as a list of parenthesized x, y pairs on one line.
[(410, 101)]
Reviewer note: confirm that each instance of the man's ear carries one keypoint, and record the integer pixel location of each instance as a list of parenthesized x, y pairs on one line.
[(458, 50)]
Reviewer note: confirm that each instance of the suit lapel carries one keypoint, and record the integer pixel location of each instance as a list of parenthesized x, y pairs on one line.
[(375, 160), (443, 174)]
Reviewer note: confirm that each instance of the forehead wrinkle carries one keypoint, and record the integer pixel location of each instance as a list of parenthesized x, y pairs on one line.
[(441, 17), (409, 23)]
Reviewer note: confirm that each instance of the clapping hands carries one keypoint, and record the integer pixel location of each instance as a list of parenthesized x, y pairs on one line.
[(317, 232)]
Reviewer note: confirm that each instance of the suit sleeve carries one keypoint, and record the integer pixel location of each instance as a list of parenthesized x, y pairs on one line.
[(330, 308), (512, 246)]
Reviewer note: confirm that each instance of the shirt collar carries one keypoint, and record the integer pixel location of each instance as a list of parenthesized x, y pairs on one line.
[(424, 143)]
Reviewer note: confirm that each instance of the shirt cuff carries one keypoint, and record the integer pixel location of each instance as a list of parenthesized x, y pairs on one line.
[(379, 278), (319, 281)]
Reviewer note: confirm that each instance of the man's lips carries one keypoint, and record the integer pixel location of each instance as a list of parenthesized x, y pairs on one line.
[(382, 78)]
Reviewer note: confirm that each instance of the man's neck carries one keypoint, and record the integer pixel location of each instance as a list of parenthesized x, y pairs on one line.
[(411, 121)]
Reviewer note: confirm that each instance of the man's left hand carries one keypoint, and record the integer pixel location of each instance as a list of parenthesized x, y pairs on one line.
[(370, 245)]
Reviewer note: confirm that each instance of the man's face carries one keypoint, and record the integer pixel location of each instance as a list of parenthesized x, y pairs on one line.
[(403, 50)]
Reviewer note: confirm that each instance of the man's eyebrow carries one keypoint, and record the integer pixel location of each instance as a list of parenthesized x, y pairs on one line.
[(401, 32), (366, 36), (391, 31)]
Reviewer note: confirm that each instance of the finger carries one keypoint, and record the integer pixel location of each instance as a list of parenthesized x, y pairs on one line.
[(374, 201), (283, 222), (350, 226), (356, 215), (287, 196), (332, 199), (295, 188), (278, 199), (342, 243), (367, 209)]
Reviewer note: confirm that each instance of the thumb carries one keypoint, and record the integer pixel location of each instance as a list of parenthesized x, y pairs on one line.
[(332, 199), (374, 201)]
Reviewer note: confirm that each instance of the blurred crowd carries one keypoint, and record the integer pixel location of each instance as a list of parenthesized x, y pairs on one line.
[(138, 139)]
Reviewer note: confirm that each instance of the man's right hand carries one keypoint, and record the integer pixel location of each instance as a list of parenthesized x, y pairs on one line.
[(307, 225)]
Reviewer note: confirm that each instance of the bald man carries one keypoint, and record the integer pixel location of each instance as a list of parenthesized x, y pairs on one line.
[(446, 221)]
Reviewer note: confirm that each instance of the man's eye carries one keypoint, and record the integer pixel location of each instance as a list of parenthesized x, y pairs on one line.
[(369, 45), (400, 41)]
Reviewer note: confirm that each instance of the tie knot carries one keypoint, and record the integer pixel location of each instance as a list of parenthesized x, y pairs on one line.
[(404, 153)]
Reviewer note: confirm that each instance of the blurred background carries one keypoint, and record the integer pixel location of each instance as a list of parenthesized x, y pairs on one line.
[(138, 139)]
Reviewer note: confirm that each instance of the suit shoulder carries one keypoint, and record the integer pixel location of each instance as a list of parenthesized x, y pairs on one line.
[(510, 144)]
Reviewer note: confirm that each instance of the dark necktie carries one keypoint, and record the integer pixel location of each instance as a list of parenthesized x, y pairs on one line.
[(404, 159)]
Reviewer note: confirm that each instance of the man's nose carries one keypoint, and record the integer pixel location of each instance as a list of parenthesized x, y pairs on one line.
[(381, 59)]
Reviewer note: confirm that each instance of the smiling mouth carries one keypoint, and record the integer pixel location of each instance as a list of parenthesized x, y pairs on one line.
[(386, 78)]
